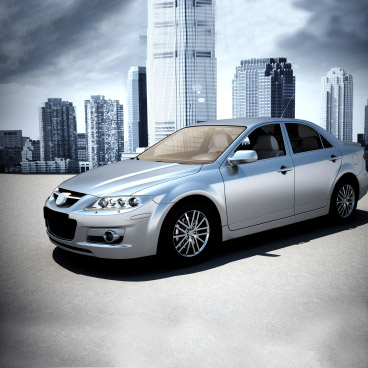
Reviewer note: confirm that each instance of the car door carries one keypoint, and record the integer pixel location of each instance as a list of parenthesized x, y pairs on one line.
[(260, 191), (317, 164)]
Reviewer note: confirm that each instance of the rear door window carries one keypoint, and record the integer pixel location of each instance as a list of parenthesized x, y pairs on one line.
[(303, 138)]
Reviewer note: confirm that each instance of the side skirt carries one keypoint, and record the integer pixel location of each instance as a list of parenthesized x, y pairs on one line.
[(229, 234)]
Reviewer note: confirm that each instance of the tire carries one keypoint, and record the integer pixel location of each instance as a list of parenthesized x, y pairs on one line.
[(188, 234), (344, 201)]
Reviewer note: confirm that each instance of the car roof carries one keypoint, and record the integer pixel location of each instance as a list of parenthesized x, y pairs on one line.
[(248, 122)]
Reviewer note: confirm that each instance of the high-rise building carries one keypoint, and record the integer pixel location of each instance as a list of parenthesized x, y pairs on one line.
[(82, 147), (104, 130), (11, 138), (181, 65), (366, 124), (135, 126), (337, 104), (58, 130), (264, 87)]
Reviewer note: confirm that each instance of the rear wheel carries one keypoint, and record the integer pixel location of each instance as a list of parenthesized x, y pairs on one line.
[(343, 201), (188, 234)]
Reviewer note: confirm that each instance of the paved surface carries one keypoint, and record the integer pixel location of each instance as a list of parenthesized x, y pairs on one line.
[(292, 297)]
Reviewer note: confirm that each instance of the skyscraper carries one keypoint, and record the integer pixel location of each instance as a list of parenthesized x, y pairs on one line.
[(135, 126), (181, 65), (264, 87), (337, 104), (58, 130), (366, 124), (104, 129)]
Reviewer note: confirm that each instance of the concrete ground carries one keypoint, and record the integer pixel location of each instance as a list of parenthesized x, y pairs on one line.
[(291, 297)]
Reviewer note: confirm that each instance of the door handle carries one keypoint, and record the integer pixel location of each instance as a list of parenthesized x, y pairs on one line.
[(333, 158), (283, 169)]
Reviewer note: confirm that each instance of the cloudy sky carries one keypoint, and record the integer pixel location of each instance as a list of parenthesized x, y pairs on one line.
[(76, 48)]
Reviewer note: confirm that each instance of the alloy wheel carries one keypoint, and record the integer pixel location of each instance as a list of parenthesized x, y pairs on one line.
[(191, 233), (345, 201)]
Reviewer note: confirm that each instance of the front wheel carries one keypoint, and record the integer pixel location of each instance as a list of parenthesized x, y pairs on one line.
[(188, 234), (343, 202)]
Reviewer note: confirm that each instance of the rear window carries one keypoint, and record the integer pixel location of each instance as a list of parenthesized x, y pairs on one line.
[(325, 142)]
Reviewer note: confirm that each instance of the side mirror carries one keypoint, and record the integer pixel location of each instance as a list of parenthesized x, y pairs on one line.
[(243, 157)]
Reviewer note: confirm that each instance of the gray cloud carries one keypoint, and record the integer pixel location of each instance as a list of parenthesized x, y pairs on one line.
[(336, 34), (37, 35)]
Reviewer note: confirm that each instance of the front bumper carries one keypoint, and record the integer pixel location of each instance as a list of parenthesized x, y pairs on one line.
[(138, 229)]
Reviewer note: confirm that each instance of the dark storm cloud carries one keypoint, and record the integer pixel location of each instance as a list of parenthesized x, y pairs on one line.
[(335, 34), (35, 34)]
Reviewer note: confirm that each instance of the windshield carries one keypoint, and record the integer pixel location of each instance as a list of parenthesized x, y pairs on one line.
[(193, 145)]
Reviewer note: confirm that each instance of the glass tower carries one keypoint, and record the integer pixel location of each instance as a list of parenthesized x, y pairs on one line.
[(135, 127), (181, 65), (337, 104), (58, 130), (264, 87), (104, 130)]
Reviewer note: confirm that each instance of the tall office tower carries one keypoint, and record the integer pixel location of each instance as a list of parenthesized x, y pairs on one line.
[(82, 147), (366, 124), (264, 87), (11, 138), (181, 65), (58, 130), (337, 104), (135, 127), (104, 129)]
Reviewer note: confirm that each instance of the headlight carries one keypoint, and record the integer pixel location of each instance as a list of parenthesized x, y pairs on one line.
[(120, 203)]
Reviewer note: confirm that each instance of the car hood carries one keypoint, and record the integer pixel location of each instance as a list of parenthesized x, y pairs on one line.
[(126, 177)]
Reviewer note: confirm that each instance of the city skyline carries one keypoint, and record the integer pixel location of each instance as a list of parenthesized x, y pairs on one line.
[(315, 37)]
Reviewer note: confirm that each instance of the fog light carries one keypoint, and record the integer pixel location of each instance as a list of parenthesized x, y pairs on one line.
[(110, 236)]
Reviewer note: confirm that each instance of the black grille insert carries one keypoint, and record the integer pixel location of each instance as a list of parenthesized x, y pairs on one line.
[(100, 239), (71, 247), (59, 224)]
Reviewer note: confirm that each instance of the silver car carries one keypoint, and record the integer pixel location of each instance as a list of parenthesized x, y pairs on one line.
[(206, 183)]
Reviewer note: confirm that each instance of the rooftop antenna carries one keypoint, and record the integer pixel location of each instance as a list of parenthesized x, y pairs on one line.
[(287, 105)]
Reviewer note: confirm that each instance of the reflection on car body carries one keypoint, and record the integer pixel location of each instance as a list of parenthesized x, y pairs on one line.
[(215, 180)]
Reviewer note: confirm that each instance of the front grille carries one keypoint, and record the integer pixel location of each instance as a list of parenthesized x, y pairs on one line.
[(59, 224), (74, 197)]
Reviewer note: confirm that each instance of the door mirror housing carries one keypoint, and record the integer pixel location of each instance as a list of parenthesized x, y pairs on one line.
[(243, 157)]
